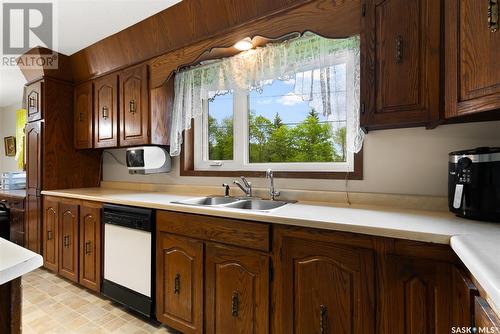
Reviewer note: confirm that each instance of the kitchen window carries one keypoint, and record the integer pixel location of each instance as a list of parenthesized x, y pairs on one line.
[(306, 120)]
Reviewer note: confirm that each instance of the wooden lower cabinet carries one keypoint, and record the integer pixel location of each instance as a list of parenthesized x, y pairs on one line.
[(485, 318), (208, 280), (416, 295), (322, 287), (33, 223), (50, 234), (72, 240), (237, 290), (464, 293), (17, 226), (90, 246), (179, 277), (68, 241)]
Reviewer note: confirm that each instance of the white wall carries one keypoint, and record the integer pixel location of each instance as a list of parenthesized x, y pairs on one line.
[(7, 128), (402, 161)]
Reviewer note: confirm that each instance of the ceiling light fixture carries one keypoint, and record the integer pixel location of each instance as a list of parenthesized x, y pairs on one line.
[(244, 44)]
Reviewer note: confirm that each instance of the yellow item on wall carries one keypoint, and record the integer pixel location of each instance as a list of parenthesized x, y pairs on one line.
[(20, 124)]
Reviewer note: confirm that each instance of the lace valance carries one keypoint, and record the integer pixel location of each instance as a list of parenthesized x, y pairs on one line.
[(306, 60)]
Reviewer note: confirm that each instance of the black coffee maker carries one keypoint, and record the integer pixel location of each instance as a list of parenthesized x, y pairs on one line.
[(474, 183)]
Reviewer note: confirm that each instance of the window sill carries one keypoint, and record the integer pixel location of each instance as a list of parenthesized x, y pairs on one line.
[(187, 166), (187, 169)]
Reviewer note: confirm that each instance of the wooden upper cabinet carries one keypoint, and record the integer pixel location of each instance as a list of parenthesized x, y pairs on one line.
[(50, 233), (472, 51), (106, 111), (68, 240), (34, 101), (237, 290), (400, 63), (134, 106), (125, 111), (323, 288), (33, 133), (179, 292), (84, 122), (90, 246)]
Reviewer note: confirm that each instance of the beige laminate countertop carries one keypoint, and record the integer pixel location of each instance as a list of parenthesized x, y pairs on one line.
[(476, 243)]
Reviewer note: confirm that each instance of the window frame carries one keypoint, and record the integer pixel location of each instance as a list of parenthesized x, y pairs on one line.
[(241, 155), (187, 166)]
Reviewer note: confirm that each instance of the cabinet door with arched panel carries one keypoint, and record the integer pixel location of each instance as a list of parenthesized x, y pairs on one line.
[(68, 239), (322, 287), (50, 233), (237, 290), (83, 118), (134, 106), (106, 111), (90, 245), (418, 295), (179, 282)]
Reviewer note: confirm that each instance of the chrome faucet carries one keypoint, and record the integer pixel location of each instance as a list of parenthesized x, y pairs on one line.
[(272, 192), (246, 187)]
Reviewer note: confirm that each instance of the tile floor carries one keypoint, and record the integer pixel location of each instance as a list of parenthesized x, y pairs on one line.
[(53, 305)]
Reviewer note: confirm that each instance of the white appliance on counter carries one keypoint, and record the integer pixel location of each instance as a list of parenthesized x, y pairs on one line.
[(129, 257)]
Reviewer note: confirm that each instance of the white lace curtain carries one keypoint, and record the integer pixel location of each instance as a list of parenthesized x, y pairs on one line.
[(306, 60)]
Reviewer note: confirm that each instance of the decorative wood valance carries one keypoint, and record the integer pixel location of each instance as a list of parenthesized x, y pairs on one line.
[(333, 19), (185, 23)]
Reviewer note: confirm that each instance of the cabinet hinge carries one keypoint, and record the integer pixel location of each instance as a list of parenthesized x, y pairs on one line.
[(363, 9)]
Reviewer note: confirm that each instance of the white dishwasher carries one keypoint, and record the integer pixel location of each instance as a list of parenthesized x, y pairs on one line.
[(129, 257)]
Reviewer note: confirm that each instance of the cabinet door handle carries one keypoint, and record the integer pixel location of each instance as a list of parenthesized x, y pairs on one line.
[(66, 241), (81, 117), (399, 49), (49, 235), (493, 15), (105, 112), (88, 248), (235, 304), (177, 284), (322, 319), (131, 106), (31, 102)]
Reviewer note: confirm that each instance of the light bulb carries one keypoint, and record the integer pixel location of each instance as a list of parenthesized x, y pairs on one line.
[(244, 44)]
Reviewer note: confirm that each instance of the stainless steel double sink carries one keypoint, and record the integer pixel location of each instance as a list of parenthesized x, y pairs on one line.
[(254, 204)]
